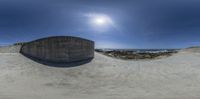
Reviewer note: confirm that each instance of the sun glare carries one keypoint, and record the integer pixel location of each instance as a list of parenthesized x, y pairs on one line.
[(100, 20)]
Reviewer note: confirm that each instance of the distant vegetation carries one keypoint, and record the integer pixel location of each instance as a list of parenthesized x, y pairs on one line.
[(20, 43)]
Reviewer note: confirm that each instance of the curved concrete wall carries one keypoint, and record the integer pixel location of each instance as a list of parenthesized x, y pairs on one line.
[(59, 49)]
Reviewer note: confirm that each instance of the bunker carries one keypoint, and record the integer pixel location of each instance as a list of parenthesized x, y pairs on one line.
[(59, 49)]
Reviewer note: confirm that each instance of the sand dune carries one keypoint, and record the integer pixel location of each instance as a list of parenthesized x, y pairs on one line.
[(174, 77), (10, 49)]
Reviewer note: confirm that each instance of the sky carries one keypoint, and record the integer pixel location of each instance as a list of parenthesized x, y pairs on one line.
[(133, 24)]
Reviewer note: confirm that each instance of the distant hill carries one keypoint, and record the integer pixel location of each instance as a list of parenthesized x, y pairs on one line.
[(193, 49)]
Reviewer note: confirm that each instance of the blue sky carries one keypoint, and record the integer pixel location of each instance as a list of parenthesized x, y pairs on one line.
[(135, 23)]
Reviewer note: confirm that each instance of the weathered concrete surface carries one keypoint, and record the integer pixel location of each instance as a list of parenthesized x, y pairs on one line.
[(59, 49)]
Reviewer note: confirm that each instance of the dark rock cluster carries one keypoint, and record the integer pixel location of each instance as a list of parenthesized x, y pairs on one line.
[(134, 55)]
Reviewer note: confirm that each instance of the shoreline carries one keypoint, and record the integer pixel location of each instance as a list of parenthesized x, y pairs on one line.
[(137, 54)]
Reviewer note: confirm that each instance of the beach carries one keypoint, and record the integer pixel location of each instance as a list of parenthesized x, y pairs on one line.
[(173, 77)]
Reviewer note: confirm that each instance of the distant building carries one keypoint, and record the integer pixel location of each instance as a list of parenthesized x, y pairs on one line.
[(61, 49)]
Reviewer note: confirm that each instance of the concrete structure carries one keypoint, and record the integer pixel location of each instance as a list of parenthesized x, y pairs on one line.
[(61, 49)]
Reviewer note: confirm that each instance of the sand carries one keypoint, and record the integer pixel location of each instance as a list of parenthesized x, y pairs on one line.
[(174, 77)]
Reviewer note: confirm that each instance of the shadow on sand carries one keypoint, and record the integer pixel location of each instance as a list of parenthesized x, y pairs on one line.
[(60, 64)]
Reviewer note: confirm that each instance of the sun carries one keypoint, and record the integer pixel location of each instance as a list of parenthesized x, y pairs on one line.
[(100, 21)]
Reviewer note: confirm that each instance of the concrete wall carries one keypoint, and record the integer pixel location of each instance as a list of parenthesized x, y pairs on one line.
[(59, 49)]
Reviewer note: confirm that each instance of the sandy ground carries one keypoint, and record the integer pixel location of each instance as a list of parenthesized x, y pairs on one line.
[(174, 77)]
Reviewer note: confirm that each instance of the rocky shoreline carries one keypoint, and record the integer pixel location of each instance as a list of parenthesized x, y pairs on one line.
[(134, 55)]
